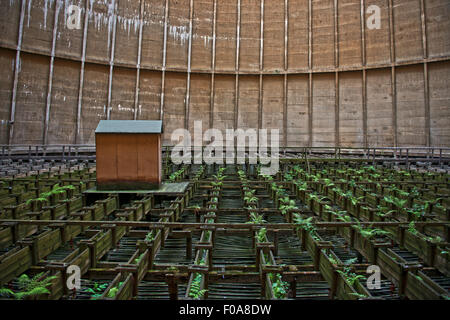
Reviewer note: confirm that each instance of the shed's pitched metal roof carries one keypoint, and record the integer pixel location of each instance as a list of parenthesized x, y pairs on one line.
[(129, 126)]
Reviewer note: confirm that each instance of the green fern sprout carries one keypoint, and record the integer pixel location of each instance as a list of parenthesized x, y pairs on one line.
[(29, 287)]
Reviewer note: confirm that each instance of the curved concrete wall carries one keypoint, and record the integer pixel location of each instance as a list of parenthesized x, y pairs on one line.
[(312, 68)]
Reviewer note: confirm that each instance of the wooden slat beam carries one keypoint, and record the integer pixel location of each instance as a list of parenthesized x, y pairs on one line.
[(217, 226)]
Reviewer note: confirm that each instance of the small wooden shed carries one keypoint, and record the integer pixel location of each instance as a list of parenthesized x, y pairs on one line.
[(128, 154)]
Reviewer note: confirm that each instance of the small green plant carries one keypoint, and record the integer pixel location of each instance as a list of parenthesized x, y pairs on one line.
[(345, 218), (279, 287), (287, 205), (383, 211), (302, 186), (399, 203), (195, 291), (412, 228), (355, 200), (352, 183), (196, 208), (417, 210), (316, 197), (262, 235), (150, 236), (56, 189), (328, 183), (216, 183), (430, 203), (350, 277), (29, 287), (96, 291), (306, 224), (256, 218), (333, 260), (136, 261), (369, 233), (251, 199), (219, 177), (175, 175), (114, 290), (207, 234), (436, 239)]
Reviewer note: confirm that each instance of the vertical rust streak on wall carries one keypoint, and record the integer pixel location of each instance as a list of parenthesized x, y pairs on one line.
[(286, 34), (336, 108), (391, 32), (211, 102), (427, 105), (111, 60), (213, 66), (260, 101), (394, 104), (238, 35), (336, 77), (393, 76), (310, 110), (189, 56), (310, 88), (336, 35), (364, 105), (261, 38), (81, 84), (237, 62), (50, 74), (285, 92), (363, 35), (425, 74), (424, 29), (236, 101), (310, 34), (138, 65), (364, 74), (12, 113), (164, 57), (285, 98), (261, 65)]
